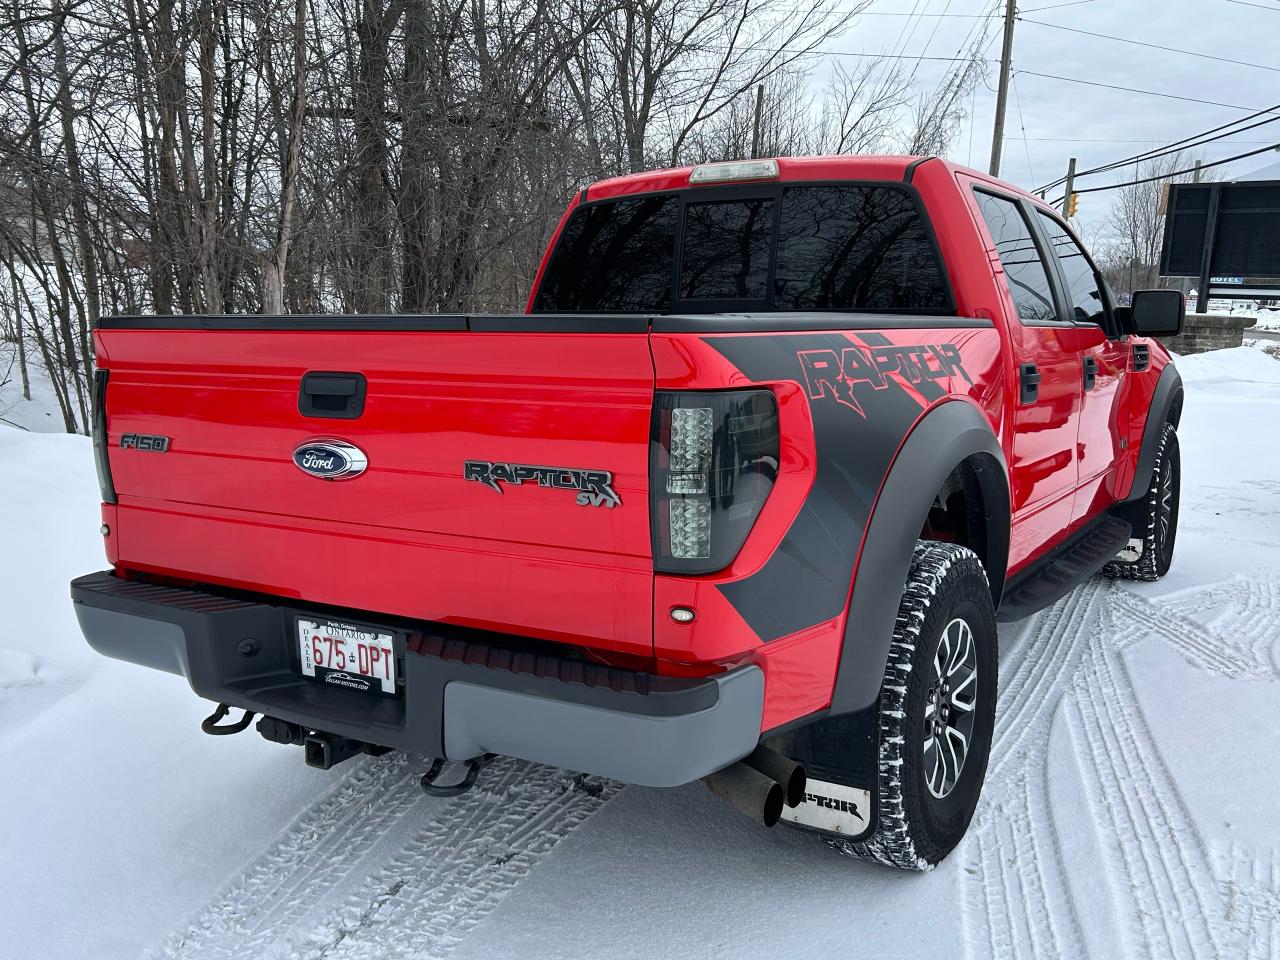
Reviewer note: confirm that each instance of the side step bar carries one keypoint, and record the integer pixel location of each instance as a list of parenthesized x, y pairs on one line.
[(1069, 565)]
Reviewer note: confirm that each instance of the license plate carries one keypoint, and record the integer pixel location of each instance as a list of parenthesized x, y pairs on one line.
[(344, 655)]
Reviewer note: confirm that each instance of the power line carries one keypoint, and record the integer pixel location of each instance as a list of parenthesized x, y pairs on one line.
[(1150, 93), (1178, 173), (1055, 6), (856, 53), (1102, 140), (1023, 126), (904, 13), (1153, 46), (1195, 140), (1260, 6), (1190, 143), (928, 43)]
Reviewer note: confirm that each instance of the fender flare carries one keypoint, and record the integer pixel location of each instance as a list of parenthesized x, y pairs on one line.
[(1166, 407), (949, 434)]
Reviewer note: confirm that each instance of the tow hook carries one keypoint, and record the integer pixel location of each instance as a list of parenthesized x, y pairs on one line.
[(433, 789), (210, 723)]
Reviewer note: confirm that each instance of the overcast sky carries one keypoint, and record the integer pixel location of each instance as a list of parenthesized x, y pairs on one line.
[(1096, 124)]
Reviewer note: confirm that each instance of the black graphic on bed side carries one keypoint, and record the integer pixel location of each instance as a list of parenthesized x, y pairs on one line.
[(807, 578)]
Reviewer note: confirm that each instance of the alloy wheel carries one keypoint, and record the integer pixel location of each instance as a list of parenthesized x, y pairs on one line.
[(949, 707)]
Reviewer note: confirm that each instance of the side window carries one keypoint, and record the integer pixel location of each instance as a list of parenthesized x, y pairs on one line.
[(856, 248), (726, 250), (1084, 285), (613, 256), (1023, 268)]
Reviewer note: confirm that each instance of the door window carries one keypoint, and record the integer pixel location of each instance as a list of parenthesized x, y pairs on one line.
[(1084, 284), (1024, 269)]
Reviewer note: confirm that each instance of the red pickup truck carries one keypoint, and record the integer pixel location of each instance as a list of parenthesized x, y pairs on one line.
[(740, 496)]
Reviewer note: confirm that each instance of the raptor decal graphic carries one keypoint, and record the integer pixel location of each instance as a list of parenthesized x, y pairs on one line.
[(835, 375), (807, 578)]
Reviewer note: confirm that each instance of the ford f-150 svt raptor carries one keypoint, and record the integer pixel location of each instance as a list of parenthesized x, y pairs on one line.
[(740, 496)]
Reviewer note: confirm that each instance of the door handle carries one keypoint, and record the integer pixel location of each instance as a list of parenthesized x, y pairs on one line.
[(1090, 372), (337, 396), (1028, 383)]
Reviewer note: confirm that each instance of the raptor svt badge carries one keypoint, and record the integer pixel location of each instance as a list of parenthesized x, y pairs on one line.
[(595, 487)]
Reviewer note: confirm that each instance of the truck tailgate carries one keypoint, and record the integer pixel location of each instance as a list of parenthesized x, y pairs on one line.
[(225, 503)]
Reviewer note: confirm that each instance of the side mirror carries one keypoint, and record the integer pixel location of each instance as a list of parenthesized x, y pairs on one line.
[(1157, 313)]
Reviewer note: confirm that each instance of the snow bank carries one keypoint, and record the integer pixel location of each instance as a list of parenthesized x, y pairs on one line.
[(1236, 365), (40, 414)]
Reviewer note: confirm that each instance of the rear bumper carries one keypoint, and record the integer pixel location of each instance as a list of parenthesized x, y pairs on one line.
[(463, 695)]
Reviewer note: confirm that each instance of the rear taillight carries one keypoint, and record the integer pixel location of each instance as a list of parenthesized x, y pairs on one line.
[(713, 461), (105, 484)]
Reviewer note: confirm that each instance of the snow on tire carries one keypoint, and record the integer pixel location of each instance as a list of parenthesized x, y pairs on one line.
[(937, 710), (1158, 519)]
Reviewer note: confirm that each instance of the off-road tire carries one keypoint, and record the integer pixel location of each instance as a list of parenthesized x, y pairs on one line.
[(915, 829), (1157, 517)]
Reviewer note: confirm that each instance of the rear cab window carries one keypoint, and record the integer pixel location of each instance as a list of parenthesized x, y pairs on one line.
[(770, 247), (614, 257)]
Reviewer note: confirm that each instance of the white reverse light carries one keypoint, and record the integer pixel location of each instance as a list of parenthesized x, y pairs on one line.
[(690, 463), (691, 528)]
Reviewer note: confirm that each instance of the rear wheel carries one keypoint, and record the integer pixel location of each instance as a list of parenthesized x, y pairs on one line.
[(1158, 520), (937, 710)]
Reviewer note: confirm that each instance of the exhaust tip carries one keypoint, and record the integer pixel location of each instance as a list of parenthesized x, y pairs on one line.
[(748, 790), (794, 788), (773, 801), (787, 772)]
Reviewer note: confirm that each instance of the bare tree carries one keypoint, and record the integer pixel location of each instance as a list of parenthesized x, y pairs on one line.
[(1134, 228), (382, 155)]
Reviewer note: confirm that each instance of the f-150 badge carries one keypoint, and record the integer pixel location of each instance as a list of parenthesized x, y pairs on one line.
[(595, 487)]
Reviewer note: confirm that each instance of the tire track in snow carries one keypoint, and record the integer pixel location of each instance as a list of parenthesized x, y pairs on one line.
[(314, 894), (1015, 901), (1159, 871), (1014, 886), (315, 853), (1252, 889), (451, 874), (1042, 670), (1015, 898), (1236, 651)]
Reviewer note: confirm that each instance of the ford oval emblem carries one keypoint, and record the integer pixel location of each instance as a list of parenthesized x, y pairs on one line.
[(330, 459)]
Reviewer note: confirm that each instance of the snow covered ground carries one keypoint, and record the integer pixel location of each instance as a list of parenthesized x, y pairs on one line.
[(39, 414), (1129, 810)]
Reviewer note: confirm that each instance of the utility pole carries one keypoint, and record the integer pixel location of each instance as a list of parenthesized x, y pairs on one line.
[(755, 127), (1071, 185), (1002, 92)]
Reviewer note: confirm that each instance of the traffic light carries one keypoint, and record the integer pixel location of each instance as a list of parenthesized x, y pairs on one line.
[(1073, 200)]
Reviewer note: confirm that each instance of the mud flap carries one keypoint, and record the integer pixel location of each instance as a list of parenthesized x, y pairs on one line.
[(841, 761)]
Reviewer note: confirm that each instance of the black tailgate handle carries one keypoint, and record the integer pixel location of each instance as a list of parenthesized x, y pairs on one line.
[(337, 396)]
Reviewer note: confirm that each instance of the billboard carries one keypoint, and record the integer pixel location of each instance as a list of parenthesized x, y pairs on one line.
[(1226, 235)]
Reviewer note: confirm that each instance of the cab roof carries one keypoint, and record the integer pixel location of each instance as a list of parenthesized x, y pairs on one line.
[(840, 167)]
